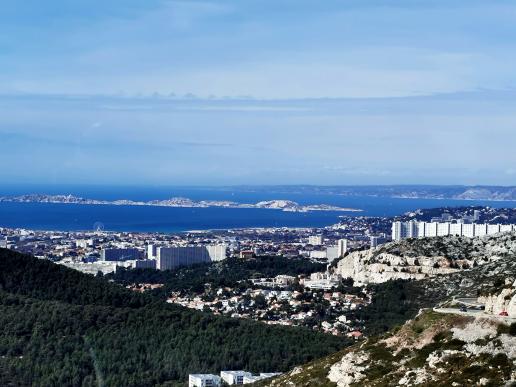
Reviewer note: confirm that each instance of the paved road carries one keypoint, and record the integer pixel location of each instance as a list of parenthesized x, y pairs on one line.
[(472, 302), (474, 313)]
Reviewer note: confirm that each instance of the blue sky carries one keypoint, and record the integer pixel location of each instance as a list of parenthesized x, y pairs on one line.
[(264, 92)]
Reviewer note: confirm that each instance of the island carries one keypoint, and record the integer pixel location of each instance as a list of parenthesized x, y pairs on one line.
[(283, 205)]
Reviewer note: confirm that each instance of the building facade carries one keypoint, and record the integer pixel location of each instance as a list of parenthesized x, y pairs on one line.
[(234, 377), (145, 264), (172, 257), (414, 229), (342, 247), (217, 252), (152, 251), (203, 380)]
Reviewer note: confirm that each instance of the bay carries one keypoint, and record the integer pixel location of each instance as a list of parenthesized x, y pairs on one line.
[(46, 216)]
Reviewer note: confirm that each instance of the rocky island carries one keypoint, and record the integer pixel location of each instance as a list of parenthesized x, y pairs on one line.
[(283, 205)]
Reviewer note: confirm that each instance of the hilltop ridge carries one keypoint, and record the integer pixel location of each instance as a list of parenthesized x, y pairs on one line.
[(424, 257), (431, 350)]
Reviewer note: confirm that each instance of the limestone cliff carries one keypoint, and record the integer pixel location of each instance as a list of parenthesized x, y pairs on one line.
[(423, 258), (502, 302)]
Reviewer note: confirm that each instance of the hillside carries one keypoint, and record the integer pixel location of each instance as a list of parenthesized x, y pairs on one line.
[(429, 349), (425, 257), (395, 302), (62, 327)]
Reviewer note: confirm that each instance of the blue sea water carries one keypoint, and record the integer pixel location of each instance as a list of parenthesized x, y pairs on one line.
[(43, 216)]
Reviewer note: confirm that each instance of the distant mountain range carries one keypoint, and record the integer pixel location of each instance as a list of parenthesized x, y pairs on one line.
[(459, 192), (283, 205)]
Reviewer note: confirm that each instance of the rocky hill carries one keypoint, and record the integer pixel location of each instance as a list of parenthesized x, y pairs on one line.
[(426, 257), (431, 348)]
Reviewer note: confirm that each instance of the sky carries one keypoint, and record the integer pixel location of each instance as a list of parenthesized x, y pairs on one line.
[(257, 92)]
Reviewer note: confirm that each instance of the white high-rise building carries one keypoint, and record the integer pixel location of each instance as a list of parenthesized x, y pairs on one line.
[(342, 247), (402, 230), (493, 228), (430, 229), (443, 229), (217, 252), (468, 230), (396, 231), (421, 227), (152, 251), (456, 228), (480, 229), (373, 242)]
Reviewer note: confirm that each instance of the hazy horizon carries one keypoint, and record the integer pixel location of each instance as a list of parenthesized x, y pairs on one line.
[(168, 92)]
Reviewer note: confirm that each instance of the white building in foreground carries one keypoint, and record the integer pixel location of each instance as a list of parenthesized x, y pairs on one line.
[(203, 380), (414, 229), (230, 378), (234, 377)]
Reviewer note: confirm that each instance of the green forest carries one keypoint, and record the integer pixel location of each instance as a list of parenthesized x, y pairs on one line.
[(64, 328)]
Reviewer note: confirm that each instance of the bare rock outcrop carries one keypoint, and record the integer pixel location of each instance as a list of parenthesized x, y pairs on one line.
[(349, 369), (423, 258)]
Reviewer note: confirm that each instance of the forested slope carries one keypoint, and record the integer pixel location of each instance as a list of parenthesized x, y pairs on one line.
[(61, 327)]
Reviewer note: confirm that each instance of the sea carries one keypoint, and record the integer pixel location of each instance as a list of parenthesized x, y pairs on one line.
[(74, 217)]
